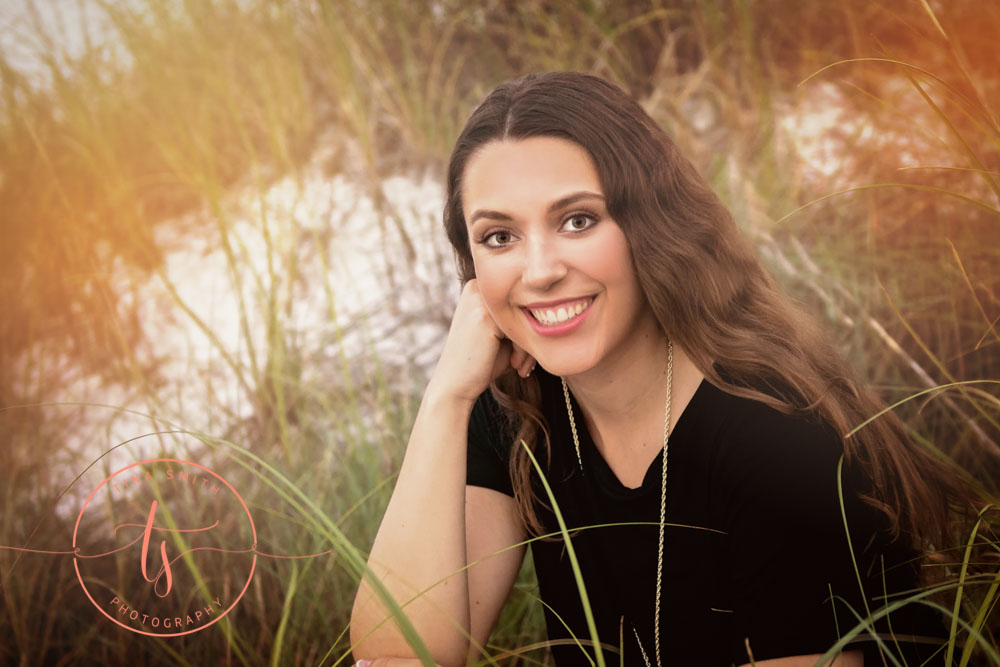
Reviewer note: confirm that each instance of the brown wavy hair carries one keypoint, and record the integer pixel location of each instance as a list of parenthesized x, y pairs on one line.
[(706, 287)]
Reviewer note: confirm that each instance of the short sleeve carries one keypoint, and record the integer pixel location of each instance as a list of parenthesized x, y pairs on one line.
[(796, 589), (488, 446)]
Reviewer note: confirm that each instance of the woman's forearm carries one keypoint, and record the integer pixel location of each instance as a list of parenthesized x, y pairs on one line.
[(422, 540)]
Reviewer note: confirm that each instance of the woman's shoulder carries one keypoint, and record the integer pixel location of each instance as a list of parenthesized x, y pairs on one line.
[(488, 416), (770, 457), (490, 422), (749, 425)]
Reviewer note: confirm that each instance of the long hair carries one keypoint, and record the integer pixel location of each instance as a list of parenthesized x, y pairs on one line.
[(707, 289)]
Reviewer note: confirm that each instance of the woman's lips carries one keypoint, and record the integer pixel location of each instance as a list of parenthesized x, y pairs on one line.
[(569, 324)]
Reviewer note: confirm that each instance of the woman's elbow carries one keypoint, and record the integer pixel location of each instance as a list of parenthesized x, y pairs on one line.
[(447, 645)]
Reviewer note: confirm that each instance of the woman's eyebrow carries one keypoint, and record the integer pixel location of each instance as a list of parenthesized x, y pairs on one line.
[(562, 202)]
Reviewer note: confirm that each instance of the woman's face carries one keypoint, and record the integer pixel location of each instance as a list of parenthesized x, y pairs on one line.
[(544, 247)]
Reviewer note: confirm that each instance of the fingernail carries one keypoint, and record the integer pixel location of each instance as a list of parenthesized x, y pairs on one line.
[(363, 663)]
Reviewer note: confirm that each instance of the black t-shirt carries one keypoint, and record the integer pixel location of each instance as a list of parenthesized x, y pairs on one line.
[(753, 547)]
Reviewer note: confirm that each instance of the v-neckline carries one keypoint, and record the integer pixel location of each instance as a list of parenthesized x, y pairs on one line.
[(589, 450)]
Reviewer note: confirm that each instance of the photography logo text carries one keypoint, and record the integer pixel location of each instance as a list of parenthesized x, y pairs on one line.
[(165, 547)]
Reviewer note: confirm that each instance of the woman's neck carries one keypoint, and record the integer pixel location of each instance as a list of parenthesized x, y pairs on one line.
[(623, 400)]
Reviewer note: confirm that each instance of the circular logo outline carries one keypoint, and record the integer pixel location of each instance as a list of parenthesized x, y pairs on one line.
[(76, 561)]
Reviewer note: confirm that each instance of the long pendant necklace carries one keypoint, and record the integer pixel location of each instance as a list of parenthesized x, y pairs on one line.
[(663, 492)]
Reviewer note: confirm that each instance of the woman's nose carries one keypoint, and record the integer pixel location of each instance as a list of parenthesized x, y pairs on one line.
[(543, 263)]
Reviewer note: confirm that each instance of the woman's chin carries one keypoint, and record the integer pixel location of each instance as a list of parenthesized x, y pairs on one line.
[(561, 369)]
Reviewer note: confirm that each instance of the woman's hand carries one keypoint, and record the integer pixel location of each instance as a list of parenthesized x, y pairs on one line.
[(476, 351)]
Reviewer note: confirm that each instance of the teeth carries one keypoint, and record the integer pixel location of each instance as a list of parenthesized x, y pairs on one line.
[(561, 314)]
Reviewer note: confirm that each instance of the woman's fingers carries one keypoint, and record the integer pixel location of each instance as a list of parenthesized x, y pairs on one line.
[(509, 353), (518, 358)]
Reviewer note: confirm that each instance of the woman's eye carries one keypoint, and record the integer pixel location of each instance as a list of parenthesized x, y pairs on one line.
[(502, 237), (586, 220)]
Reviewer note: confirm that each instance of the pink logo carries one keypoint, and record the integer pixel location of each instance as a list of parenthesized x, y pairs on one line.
[(169, 568)]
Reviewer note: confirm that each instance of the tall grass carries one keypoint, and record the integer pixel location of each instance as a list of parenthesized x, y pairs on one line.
[(177, 128)]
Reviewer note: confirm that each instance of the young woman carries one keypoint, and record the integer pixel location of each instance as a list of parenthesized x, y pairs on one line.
[(688, 418)]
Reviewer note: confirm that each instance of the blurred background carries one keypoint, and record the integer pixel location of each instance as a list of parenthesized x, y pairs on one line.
[(221, 236)]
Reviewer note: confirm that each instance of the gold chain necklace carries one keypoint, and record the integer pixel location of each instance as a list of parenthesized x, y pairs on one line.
[(663, 492)]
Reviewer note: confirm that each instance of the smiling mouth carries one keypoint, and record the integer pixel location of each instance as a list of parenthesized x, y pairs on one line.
[(561, 314)]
